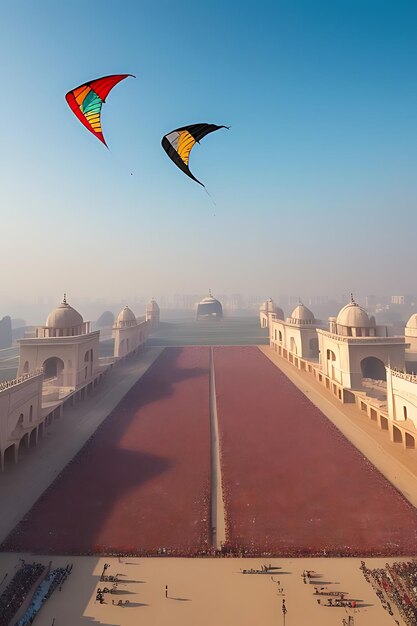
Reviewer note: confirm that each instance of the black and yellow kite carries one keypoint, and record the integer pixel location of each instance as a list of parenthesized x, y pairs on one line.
[(179, 143)]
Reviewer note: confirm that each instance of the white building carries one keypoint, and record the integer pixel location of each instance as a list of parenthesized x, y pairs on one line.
[(354, 348), (297, 335), (268, 309), (410, 333), (20, 414), (129, 334), (153, 314), (402, 406), (65, 348)]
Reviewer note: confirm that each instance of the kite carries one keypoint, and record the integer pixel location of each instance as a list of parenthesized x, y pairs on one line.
[(179, 143), (86, 101)]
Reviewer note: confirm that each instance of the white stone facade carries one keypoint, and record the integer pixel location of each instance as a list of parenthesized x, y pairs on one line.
[(129, 334), (20, 413)]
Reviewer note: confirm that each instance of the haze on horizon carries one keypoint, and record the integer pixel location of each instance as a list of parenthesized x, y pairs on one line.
[(314, 183)]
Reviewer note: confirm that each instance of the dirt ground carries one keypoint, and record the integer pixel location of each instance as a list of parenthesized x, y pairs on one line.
[(208, 592), (293, 484), (142, 482)]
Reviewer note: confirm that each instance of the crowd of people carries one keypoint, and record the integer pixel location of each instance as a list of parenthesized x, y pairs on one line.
[(18, 589), (54, 580), (396, 585)]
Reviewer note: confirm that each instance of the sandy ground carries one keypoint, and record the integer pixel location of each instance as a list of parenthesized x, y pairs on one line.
[(208, 592), (399, 466), (22, 484)]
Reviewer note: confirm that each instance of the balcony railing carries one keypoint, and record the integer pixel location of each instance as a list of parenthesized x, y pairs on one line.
[(8, 384)]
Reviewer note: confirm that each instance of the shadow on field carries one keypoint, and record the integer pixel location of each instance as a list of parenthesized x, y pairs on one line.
[(99, 478)]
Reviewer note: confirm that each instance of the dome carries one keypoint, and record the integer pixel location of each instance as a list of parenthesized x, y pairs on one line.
[(302, 315), (64, 316), (412, 322), (209, 307), (152, 306), (208, 299), (353, 316), (270, 307), (126, 317)]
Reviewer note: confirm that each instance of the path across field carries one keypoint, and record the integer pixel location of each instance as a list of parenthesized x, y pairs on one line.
[(293, 484), (142, 481)]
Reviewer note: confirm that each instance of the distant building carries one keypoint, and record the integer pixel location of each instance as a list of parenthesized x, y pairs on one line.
[(106, 320), (5, 332), (371, 301), (404, 300), (267, 310), (152, 314), (297, 335), (209, 309), (129, 334)]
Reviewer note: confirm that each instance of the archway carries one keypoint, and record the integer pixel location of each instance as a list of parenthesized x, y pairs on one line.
[(331, 358), (19, 426), (397, 436), (409, 441), (330, 355), (9, 456), (33, 437), (53, 367), (26, 367), (280, 336), (374, 368), (293, 346)]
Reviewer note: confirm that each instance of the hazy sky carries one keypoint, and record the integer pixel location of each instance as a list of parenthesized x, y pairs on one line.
[(315, 183)]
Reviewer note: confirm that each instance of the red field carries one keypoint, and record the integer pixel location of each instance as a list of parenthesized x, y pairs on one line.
[(293, 484), (142, 481)]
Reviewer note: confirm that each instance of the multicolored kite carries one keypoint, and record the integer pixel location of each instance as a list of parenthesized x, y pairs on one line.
[(86, 101), (179, 143)]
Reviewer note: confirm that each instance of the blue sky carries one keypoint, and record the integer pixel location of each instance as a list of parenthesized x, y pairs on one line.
[(314, 184)]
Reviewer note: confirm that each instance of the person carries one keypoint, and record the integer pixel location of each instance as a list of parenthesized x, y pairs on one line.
[(166, 591)]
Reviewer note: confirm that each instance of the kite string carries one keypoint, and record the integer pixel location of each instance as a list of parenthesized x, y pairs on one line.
[(209, 195)]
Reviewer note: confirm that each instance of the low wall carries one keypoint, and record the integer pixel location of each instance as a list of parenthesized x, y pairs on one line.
[(396, 430)]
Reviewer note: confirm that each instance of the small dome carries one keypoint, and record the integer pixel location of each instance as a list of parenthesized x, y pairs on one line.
[(302, 315), (64, 316), (269, 306), (412, 322), (208, 299), (152, 306), (126, 317), (353, 316)]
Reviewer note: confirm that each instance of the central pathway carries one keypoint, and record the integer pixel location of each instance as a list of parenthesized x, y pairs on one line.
[(218, 527)]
